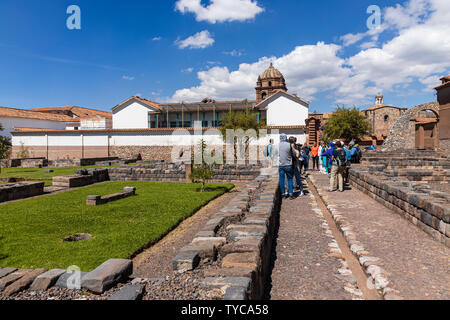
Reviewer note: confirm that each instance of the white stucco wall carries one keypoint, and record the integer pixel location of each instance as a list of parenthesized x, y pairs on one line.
[(286, 112), (133, 115), (10, 123), (179, 137)]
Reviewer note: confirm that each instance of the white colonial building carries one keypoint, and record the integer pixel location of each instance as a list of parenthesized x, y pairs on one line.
[(159, 130)]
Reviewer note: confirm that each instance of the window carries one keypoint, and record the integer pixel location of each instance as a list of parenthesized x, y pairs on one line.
[(264, 95), (149, 119), (386, 118), (270, 83)]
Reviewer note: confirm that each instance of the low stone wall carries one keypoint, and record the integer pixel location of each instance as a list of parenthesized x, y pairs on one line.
[(234, 248), (172, 172), (62, 163), (26, 162), (20, 190), (417, 202), (83, 177), (96, 200)]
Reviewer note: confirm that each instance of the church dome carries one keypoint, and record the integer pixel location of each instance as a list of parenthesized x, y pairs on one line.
[(271, 73)]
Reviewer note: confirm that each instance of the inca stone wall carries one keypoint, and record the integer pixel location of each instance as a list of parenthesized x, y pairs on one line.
[(20, 190), (233, 250), (405, 182), (403, 134)]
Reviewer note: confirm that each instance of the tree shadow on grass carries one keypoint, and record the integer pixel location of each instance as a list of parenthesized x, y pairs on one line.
[(2, 255), (212, 189)]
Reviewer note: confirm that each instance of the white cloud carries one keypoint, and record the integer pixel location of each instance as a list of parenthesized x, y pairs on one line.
[(187, 70), (156, 38), (418, 52), (234, 53), (317, 68), (200, 40), (129, 78), (220, 10)]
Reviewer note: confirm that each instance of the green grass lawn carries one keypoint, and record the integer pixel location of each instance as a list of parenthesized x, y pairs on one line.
[(38, 174), (31, 231)]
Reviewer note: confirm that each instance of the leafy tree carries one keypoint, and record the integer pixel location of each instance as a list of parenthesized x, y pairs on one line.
[(5, 146), (346, 123), (244, 120), (202, 172)]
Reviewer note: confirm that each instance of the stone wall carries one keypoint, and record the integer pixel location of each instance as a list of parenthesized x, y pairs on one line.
[(177, 172), (20, 190), (379, 123), (83, 177), (403, 134), (233, 250)]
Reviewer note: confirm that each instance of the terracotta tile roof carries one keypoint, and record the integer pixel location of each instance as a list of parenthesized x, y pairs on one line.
[(378, 106), (294, 96), (33, 130), (147, 102), (80, 112), (26, 114)]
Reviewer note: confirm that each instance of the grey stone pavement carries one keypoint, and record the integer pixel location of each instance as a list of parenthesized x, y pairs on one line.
[(418, 267), (304, 267)]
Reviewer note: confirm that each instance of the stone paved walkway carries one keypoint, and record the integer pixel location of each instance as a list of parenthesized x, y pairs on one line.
[(418, 267), (304, 267)]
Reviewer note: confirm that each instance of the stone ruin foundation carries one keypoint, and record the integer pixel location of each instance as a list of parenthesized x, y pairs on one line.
[(413, 183)]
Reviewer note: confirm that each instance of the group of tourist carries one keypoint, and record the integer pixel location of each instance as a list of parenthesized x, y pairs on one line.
[(333, 159)]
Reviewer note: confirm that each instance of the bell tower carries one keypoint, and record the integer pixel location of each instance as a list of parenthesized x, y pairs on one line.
[(268, 83)]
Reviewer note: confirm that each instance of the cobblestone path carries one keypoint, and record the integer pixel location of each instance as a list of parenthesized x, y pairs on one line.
[(417, 266), (308, 264)]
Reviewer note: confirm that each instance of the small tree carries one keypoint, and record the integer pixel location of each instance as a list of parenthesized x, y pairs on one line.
[(347, 124), (23, 152), (5, 147), (202, 172), (244, 120)]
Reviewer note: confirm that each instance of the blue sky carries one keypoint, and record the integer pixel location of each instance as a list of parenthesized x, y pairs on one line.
[(125, 48)]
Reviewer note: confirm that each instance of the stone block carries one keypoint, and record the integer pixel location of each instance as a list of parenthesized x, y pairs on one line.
[(68, 280), (11, 278), (107, 275), (130, 292), (226, 282), (5, 271), (23, 283), (203, 249), (236, 294), (216, 241), (46, 280), (241, 260), (185, 261)]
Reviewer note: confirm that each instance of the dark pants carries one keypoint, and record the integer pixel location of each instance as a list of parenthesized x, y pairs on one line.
[(289, 172), (315, 162), (306, 163), (298, 178)]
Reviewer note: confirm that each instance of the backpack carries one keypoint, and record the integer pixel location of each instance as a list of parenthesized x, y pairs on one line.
[(341, 158)]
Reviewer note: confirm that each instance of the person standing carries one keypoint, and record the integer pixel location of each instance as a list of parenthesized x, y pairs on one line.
[(339, 163), (349, 162), (315, 157), (269, 153), (285, 168), (329, 155), (296, 164), (307, 150)]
